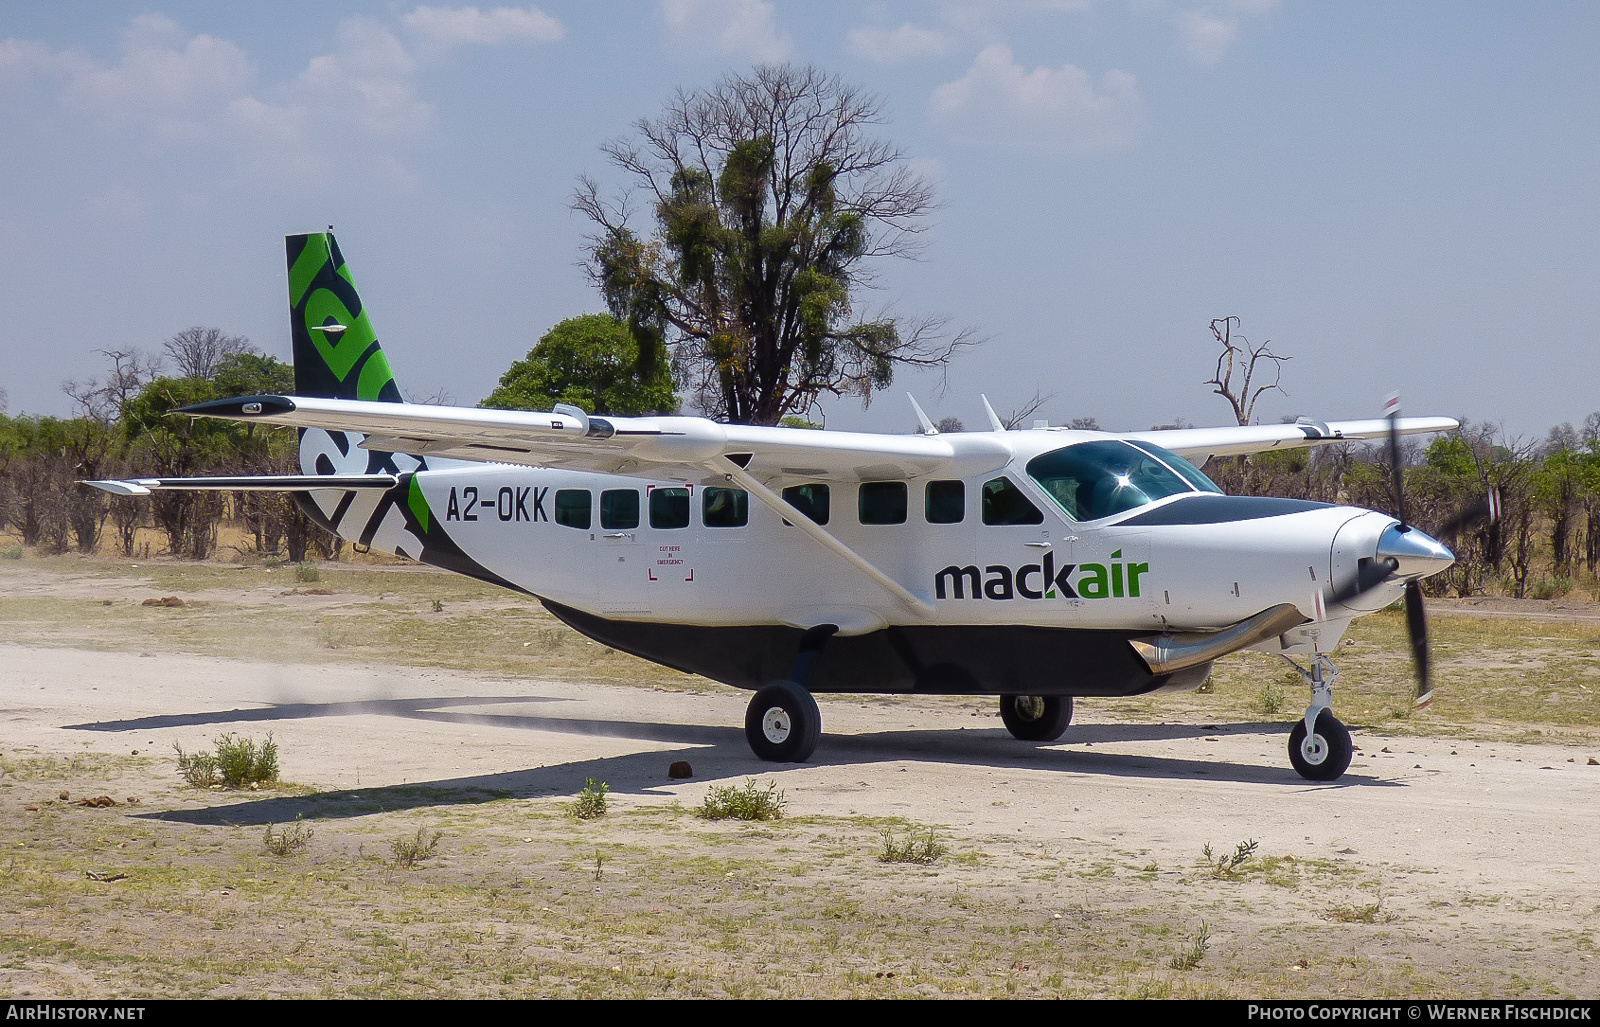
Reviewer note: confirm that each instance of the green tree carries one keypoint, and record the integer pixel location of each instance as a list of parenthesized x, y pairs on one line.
[(251, 374), (177, 446), (769, 197), (591, 362)]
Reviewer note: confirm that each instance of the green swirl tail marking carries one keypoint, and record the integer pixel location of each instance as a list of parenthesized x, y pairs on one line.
[(347, 364)]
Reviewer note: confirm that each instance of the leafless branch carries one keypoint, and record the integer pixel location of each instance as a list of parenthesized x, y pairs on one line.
[(1236, 368)]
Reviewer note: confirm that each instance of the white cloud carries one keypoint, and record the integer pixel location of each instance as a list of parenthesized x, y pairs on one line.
[(907, 42), (24, 59), (746, 28), (1057, 109), (368, 80), (168, 83), (175, 84), (446, 27), (1207, 34), (1207, 37)]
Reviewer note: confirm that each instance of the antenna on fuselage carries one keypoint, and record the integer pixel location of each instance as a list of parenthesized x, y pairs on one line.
[(922, 418), (994, 419)]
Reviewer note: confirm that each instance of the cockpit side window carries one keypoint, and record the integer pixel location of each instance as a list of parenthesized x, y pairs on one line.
[(1097, 479), (1004, 503)]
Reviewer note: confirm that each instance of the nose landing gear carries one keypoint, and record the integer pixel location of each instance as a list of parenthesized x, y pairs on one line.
[(1319, 745)]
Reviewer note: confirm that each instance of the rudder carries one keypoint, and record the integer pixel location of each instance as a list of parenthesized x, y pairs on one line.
[(336, 351)]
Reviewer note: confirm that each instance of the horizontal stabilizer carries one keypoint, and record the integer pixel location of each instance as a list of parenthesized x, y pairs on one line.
[(248, 483)]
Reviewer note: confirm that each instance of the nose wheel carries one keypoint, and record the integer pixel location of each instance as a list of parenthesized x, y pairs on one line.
[(1322, 754), (1319, 745)]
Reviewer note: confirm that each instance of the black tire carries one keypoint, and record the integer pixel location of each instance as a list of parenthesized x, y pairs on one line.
[(1036, 718), (1327, 756), (783, 723)]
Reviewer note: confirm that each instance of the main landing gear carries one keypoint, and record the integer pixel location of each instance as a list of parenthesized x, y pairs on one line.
[(782, 723), (1319, 746), (1036, 718)]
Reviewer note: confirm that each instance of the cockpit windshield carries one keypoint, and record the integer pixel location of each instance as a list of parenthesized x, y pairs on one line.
[(1097, 479)]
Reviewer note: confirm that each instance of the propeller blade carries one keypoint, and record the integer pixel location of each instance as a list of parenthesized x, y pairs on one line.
[(1369, 575), (1416, 616), (1417, 628), (1486, 510), (1391, 410)]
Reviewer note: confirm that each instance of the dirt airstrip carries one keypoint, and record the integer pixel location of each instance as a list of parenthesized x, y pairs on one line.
[(1457, 863)]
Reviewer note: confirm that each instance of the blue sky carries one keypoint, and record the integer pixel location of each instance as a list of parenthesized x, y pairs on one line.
[(1401, 196)]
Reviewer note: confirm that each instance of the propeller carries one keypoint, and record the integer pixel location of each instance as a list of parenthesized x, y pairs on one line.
[(1473, 514), (1416, 616), (1394, 545)]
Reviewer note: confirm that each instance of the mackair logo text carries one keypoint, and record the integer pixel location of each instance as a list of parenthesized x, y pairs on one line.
[(1112, 580)]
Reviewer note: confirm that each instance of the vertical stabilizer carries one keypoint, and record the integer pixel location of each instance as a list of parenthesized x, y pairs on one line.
[(336, 351)]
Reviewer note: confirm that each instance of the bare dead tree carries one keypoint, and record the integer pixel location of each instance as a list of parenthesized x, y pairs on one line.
[(440, 397), (1237, 366), (1014, 420), (103, 399), (197, 350)]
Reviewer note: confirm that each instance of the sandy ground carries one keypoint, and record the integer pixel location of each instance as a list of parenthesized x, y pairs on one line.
[(1482, 852), (1511, 819)]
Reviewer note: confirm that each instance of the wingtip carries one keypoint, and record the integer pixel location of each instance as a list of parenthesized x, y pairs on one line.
[(240, 407)]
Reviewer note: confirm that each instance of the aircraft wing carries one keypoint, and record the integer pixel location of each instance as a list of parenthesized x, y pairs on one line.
[(646, 446), (1199, 444), (685, 446)]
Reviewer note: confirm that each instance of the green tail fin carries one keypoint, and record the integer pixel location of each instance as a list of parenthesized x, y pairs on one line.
[(336, 351)]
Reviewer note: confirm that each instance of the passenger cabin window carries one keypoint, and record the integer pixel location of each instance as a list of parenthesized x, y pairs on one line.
[(619, 508), (946, 502), (883, 502), (810, 499), (1004, 503), (572, 508), (669, 508), (1097, 479), (725, 508)]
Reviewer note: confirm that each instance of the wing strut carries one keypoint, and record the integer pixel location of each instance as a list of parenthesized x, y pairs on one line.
[(722, 465)]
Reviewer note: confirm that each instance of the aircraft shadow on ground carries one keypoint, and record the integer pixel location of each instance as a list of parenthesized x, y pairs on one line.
[(717, 754)]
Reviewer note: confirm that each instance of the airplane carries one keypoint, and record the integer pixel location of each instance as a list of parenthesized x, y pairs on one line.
[(1037, 566)]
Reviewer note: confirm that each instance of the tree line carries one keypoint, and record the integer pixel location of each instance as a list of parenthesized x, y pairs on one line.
[(1547, 538), (124, 428), (1548, 534), (768, 196)]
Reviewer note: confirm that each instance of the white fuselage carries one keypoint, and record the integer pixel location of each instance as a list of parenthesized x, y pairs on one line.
[(557, 534)]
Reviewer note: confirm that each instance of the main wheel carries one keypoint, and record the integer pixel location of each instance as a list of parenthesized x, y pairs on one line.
[(1324, 754), (1036, 718), (783, 723)]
